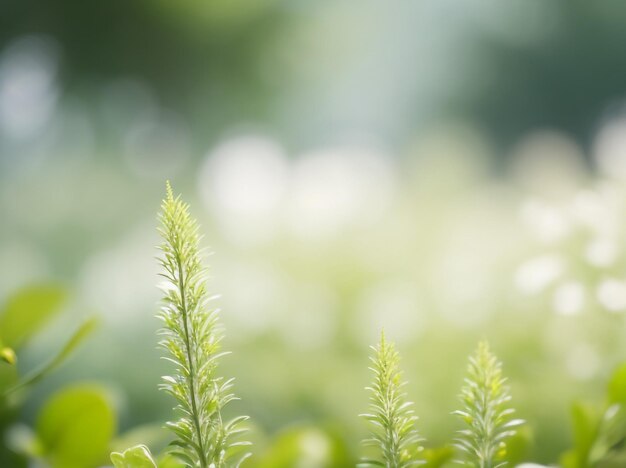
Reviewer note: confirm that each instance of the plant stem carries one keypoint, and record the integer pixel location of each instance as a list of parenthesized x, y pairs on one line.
[(194, 406)]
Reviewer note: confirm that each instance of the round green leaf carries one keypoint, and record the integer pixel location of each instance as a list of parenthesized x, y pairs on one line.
[(27, 311), (75, 427), (135, 457)]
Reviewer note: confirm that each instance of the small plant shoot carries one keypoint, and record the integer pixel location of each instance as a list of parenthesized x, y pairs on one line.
[(486, 412), (191, 340), (391, 418)]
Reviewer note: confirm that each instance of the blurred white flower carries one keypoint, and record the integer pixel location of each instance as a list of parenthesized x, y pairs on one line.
[(612, 294), (335, 188), (546, 222), (244, 182), (601, 252), (594, 210), (536, 274), (586, 233)]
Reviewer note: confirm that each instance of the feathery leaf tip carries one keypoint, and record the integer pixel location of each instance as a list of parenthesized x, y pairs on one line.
[(486, 412), (192, 341), (391, 418)]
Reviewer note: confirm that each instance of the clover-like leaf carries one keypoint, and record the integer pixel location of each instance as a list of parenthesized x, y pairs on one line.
[(134, 457)]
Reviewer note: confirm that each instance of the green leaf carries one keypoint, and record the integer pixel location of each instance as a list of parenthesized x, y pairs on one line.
[(75, 427), (169, 461), (586, 422), (27, 311), (617, 386), (135, 457), (611, 435), (87, 327)]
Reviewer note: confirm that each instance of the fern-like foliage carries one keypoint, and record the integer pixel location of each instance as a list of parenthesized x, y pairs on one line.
[(192, 340), (486, 411), (391, 418)]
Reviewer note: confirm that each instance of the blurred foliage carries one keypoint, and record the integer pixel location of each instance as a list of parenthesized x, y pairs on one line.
[(29, 310), (557, 64), (135, 457), (451, 171), (74, 428), (600, 431), (23, 315)]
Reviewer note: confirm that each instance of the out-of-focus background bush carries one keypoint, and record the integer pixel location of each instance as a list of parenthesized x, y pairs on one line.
[(448, 170)]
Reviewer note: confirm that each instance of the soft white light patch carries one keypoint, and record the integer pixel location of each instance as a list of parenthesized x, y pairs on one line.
[(315, 448), (535, 275), (244, 181), (28, 90), (569, 298), (601, 252), (339, 187), (120, 280), (252, 293), (612, 294), (593, 210), (546, 222), (463, 282), (609, 148)]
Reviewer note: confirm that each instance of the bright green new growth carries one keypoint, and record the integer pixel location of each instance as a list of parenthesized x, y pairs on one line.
[(486, 412), (135, 457), (392, 419), (193, 342)]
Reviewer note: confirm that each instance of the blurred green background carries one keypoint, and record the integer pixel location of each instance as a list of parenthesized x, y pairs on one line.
[(448, 170)]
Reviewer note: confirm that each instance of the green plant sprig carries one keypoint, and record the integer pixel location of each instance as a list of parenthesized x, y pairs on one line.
[(486, 411), (391, 418), (192, 339)]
